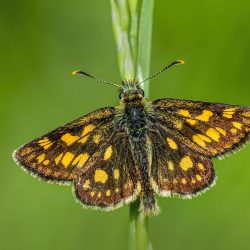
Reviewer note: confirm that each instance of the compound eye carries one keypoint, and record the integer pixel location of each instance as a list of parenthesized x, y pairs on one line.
[(141, 92), (121, 95)]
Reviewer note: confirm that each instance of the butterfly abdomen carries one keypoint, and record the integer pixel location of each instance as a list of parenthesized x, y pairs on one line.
[(136, 125), (142, 161)]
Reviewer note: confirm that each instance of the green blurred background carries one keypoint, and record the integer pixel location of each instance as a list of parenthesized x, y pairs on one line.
[(42, 42)]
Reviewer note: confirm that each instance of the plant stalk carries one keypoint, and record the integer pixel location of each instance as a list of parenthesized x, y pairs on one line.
[(132, 26)]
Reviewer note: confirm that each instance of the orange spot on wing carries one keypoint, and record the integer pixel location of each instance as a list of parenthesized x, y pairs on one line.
[(69, 139), (186, 163), (184, 112), (80, 160), (191, 121), (213, 134), (108, 153), (67, 158), (205, 116), (84, 139), (40, 158), (222, 131), (237, 125), (100, 176), (172, 144), (87, 129)]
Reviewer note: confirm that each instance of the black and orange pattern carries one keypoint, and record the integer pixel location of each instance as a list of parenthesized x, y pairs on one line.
[(195, 132), (138, 149)]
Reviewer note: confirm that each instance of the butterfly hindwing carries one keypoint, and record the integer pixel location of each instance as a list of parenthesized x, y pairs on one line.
[(212, 129), (177, 169), (59, 155), (110, 179)]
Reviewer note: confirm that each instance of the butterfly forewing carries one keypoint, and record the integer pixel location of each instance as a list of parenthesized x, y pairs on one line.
[(211, 129), (59, 155)]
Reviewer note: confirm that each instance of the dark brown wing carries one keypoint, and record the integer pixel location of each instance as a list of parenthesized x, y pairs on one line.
[(212, 129), (92, 153), (61, 154), (111, 178), (176, 169), (185, 135)]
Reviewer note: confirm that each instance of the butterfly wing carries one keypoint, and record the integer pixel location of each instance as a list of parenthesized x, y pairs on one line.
[(111, 179), (60, 155), (185, 135), (176, 169), (212, 129), (92, 153)]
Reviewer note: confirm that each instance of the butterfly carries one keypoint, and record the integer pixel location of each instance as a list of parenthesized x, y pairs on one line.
[(139, 149)]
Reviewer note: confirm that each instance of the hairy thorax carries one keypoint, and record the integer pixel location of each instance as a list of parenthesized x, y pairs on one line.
[(135, 120), (133, 112)]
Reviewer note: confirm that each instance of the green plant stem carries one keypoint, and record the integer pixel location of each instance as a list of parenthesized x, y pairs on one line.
[(132, 26), (138, 227)]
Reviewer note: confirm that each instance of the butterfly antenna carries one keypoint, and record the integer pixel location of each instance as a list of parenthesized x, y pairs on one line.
[(81, 73), (167, 67)]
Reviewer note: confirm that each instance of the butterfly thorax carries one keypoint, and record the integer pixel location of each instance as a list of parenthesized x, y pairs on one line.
[(132, 110)]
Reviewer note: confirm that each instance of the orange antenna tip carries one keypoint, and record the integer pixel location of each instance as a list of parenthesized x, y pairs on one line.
[(76, 72), (180, 62)]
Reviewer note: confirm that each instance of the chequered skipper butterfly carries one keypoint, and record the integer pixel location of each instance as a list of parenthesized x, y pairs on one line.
[(138, 149)]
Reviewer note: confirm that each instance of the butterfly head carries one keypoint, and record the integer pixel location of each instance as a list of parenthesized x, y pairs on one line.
[(131, 91)]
